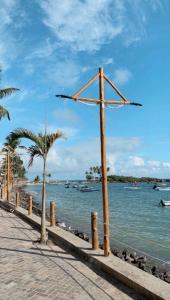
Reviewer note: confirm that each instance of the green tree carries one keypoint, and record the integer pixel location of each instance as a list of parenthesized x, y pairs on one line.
[(37, 179), (88, 176), (18, 167), (95, 172), (42, 143)]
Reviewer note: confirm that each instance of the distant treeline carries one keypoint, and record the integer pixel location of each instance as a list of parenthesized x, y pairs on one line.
[(116, 178)]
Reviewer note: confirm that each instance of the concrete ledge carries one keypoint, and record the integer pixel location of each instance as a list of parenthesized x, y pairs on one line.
[(138, 280)]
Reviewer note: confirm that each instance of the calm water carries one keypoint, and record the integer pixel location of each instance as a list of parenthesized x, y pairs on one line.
[(135, 217)]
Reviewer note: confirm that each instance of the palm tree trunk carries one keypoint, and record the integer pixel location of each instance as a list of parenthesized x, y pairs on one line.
[(43, 238)]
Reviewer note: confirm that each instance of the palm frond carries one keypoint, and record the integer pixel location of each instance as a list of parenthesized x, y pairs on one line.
[(51, 138), (42, 143), (7, 91), (13, 144), (4, 113), (20, 133), (33, 151)]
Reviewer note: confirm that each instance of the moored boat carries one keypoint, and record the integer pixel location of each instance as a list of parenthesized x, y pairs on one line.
[(161, 188), (165, 203), (88, 189), (132, 187)]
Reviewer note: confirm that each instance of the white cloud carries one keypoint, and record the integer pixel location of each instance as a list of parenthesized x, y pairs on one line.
[(108, 61), (83, 25), (122, 76), (166, 165), (7, 52), (87, 25), (67, 161), (154, 164), (136, 161), (44, 50)]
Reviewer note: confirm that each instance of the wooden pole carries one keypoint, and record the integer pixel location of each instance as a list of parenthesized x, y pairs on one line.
[(106, 241), (94, 231), (8, 176), (17, 200), (52, 213), (2, 192), (30, 205)]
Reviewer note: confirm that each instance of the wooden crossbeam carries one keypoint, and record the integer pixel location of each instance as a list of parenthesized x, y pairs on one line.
[(86, 85), (115, 88)]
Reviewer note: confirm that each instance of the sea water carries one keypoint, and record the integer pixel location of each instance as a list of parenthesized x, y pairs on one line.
[(136, 219)]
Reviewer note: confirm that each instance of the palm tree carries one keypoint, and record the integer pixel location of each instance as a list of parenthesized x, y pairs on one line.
[(42, 143), (3, 93)]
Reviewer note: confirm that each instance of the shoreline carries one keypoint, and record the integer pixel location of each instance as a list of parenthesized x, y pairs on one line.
[(143, 262)]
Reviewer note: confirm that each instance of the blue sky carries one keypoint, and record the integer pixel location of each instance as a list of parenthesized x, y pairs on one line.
[(53, 47)]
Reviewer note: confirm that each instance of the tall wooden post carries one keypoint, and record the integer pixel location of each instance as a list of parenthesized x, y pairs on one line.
[(8, 175), (101, 101), (103, 166)]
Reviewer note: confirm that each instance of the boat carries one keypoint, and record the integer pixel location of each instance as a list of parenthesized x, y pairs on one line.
[(67, 185), (80, 186), (132, 187), (164, 203), (161, 188), (88, 189), (75, 186)]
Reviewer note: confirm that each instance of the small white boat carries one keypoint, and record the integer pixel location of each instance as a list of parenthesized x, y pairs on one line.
[(75, 186), (67, 186), (165, 203), (161, 188)]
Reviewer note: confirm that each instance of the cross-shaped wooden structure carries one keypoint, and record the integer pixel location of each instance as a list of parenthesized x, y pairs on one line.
[(102, 102)]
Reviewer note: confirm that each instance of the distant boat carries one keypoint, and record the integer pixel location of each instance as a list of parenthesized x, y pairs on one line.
[(75, 186), (161, 188), (88, 189), (67, 185), (132, 187), (80, 186), (165, 203)]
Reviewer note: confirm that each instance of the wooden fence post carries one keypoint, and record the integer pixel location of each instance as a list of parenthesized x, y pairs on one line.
[(17, 200), (30, 205), (94, 231), (52, 213), (8, 195), (2, 192)]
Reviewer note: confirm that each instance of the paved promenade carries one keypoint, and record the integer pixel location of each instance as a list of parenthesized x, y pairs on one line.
[(28, 271)]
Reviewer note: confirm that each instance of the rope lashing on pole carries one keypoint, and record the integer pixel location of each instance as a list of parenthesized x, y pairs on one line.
[(89, 104)]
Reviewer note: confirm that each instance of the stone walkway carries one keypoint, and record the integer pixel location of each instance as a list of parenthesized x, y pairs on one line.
[(28, 271)]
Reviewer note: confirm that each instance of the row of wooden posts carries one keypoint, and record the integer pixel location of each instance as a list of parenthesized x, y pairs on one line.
[(94, 218)]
